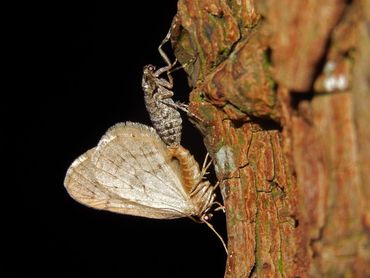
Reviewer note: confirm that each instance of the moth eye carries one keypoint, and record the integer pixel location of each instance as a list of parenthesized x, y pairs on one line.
[(208, 216)]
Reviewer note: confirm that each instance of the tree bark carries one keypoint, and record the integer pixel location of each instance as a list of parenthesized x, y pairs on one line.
[(281, 91)]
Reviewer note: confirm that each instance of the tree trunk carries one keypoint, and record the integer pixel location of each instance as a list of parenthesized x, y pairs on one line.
[(281, 91)]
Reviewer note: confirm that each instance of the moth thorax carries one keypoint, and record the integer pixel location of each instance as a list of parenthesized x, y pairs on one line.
[(148, 81)]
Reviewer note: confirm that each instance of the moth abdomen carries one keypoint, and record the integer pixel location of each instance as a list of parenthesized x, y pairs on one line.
[(190, 172)]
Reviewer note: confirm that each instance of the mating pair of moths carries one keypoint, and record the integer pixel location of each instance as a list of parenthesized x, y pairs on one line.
[(143, 171)]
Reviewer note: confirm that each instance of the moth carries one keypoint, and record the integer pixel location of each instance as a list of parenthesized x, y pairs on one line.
[(163, 111), (132, 171)]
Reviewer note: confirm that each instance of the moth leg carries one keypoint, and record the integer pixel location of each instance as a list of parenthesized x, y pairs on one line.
[(199, 187), (162, 94), (161, 51), (183, 107), (178, 105), (191, 61), (206, 165), (164, 55), (165, 58), (219, 206), (167, 70)]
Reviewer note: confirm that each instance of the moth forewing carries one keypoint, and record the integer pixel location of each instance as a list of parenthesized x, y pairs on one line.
[(131, 160), (132, 171), (81, 185)]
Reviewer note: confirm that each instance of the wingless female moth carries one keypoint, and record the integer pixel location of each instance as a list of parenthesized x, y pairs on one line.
[(132, 171), (163, 111)]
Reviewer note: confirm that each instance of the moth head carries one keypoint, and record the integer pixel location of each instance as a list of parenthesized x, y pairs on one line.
[(206, 217), (149, 69), (148, 83)]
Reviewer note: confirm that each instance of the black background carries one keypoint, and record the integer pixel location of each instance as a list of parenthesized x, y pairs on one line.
[(78, 71)]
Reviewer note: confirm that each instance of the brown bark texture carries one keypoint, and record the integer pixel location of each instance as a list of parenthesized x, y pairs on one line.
[(281, 93)]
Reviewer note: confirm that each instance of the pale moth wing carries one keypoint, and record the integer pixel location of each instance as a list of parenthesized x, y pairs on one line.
[(130, 172)]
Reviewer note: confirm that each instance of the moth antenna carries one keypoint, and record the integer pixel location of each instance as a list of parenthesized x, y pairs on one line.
[(217, 234)]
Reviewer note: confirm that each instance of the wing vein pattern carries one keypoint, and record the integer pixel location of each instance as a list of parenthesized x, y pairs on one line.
[(129, 172)]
